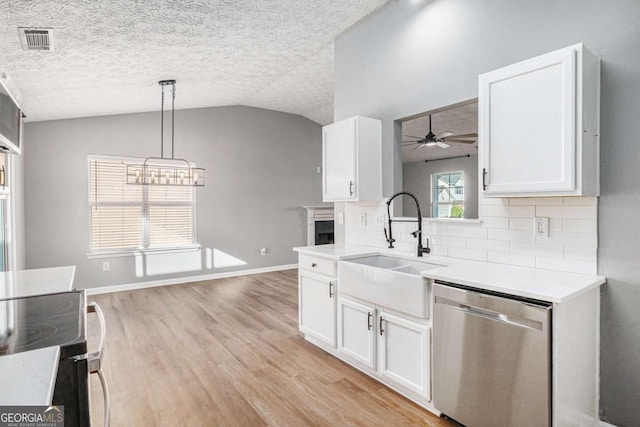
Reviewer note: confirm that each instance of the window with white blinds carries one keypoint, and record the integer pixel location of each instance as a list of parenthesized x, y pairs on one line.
[(128, 217)]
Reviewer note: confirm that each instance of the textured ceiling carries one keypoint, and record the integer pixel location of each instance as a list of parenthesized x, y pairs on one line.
[(459, 120), (109, 54)]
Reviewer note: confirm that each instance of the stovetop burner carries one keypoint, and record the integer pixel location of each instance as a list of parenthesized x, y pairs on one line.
[(42, 321)]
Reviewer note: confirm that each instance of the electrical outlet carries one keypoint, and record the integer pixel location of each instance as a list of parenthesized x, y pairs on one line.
[(340, 218), (106, 266), (363, 218), (263, 251), (379, 219), (541, 226), (319, 169)]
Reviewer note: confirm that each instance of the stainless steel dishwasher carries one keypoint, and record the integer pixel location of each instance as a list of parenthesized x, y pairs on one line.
[(491, 358)]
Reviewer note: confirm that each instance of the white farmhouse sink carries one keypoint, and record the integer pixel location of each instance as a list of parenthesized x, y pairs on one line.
[(390, 282)]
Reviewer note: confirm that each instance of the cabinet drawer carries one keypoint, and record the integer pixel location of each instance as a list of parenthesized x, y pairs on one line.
[(317, 265)]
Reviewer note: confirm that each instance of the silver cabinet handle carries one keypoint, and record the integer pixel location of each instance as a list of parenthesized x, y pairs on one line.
[(330, 289), (381, 330), (484, 178), (351, 188), (369, 324), (94, 361)]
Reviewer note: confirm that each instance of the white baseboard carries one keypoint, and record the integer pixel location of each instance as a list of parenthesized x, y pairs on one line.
[(187, 279), (606, 424)]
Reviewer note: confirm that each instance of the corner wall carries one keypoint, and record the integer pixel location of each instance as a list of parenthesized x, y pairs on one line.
[(260, 171)]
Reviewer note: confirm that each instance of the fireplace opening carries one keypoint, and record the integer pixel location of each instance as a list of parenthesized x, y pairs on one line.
[(324, 232)]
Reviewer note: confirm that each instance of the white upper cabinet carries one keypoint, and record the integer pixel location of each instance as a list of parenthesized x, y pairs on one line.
[(539, 126), (352, 160)]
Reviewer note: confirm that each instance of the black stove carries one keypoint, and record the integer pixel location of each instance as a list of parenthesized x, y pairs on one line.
[(35, 322)]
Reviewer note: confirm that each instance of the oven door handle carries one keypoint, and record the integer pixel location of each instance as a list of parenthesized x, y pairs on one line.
[(94, 361)]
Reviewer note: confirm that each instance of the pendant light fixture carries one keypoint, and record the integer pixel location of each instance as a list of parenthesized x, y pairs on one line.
[(164, 170)]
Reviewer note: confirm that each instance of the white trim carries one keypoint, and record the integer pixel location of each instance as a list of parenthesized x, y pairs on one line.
[(186, 279), (606, 424)]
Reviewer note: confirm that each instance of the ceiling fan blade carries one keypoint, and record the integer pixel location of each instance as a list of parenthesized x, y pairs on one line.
[(442, 144), (411, 142), (464, 135), (417, 137), (462, 141), (419, 146), (444, 134)]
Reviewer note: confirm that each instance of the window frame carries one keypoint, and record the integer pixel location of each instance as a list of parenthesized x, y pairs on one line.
[(144, 218), (433, 201)]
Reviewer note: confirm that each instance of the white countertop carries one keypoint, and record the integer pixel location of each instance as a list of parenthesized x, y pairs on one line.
[(545, 285), (39, 281), (29, 378)]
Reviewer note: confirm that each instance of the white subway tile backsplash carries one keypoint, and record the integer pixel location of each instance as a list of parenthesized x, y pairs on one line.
[(577, 212), (510, 258), (466, 231), (495, 222), (571, 239), (486, 244), (537, 249), (457, 242), (475, 254), (512, 235), (570, 265), (581, 253), (586, 212), (521, 224), (580, 226), (504, 234), (511, 211)]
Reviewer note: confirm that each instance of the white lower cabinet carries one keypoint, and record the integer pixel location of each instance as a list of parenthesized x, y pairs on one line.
[(317, 311), (356, 331), (401, 347), (403, 353)]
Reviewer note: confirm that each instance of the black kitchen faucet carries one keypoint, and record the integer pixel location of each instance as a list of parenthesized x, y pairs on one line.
[(417, 233)]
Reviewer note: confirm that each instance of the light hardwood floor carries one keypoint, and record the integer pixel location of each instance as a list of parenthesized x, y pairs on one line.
[(228, 352)]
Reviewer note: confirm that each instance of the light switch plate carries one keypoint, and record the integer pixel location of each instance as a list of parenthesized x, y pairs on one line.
[(541, 226)]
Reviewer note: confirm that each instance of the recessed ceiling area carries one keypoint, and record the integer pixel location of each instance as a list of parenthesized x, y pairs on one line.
[(109, 56), (459, 120)]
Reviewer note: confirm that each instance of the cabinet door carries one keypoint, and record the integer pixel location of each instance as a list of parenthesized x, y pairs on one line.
[(317, 307), (339, 161), (356, 331), (403, 353), (527, 122)]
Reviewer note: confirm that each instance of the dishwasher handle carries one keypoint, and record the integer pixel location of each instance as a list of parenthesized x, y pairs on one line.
[(490, 314)]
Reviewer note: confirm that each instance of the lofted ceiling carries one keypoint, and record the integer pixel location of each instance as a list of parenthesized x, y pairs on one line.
[(109, 55), (459, 120)]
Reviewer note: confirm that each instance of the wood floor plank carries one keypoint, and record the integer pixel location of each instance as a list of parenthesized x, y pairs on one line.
[(228, 352)]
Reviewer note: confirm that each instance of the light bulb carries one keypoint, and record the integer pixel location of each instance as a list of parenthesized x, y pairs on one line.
[(167, 175), (153, 176), (195, 177)]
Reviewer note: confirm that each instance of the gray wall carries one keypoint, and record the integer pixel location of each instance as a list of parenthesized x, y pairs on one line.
[(416, 179), (417, 56), (260, 171), (17, 198)]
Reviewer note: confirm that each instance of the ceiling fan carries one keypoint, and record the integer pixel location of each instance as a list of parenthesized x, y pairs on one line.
[(440, 140)]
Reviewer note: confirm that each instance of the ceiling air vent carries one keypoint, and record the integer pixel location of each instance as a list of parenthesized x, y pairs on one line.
[(36, 38)]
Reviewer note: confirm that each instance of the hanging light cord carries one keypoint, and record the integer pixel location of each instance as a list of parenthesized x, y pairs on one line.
[(173, 101), (162, 125)]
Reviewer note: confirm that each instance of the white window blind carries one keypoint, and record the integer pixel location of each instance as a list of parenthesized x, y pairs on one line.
[(133, 217)]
